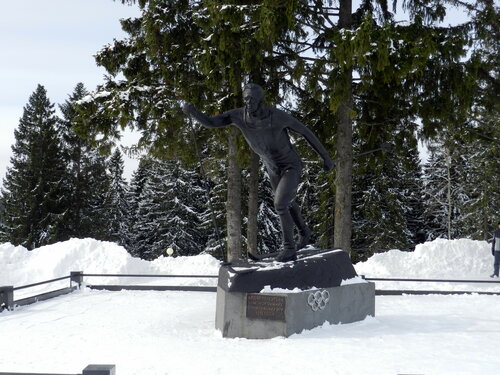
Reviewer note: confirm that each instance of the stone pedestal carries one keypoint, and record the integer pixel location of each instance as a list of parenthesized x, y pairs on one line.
[(268, 315), (307, 293)]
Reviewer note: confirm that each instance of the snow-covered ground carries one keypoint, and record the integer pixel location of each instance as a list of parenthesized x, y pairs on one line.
[(173, 332)]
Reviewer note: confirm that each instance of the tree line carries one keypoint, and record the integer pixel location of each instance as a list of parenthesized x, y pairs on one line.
[(60, 186), (358, 78)]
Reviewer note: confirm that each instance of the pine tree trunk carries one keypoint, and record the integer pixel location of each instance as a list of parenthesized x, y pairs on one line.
[(253, 203), (448, 194), (233, 204), (343, 182)]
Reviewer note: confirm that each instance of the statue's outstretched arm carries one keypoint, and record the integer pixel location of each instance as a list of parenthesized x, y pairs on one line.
[(311, 138), (218, 121)]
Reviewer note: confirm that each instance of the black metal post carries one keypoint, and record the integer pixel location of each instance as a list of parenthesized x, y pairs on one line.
[(77, 277), (6, 297)]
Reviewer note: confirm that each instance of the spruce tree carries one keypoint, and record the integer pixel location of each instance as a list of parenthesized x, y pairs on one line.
[(309, 49), (33, 188), (137, 184), (119, 207), (168, 212), (213, 217), (87, 182), (147, 226), (316, 198), (269, 239), (480, 212), (380, 209), (411, 188), (2, 230), (184, 201), (445, 193), (74, 151), (163, 71), (95, 215)]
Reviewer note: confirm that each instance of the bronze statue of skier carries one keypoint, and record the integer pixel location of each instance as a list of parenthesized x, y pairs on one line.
[(266, 131)]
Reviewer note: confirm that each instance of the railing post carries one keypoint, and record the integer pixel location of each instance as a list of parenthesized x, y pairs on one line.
[(77, 277), (99, 370), (6, 297)]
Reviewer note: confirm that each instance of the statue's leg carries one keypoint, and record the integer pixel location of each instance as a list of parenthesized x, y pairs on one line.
[(284, 194), (304, 231)]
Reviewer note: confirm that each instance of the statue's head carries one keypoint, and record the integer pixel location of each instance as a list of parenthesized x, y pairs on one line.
[(253, 97)]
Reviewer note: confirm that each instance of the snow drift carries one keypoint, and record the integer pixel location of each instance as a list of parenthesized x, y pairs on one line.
[(18, 266), (437, 259), (440, 258)]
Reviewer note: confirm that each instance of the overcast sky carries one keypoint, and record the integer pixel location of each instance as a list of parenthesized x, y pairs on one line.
[(52, 43)]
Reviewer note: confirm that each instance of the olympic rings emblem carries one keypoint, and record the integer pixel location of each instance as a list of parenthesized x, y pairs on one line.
[(318, 300)]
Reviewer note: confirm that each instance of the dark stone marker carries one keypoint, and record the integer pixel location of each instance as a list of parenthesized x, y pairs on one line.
[(99, 370), (265, 306)]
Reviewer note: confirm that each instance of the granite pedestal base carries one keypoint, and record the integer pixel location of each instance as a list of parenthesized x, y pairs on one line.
[(268, 315), (310, 292)]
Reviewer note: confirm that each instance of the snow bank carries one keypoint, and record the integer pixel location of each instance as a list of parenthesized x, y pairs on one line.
[(455, 259), (440, 259), (18, 266)]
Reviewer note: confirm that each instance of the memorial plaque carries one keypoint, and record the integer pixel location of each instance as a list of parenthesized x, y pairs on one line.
[(266, 306)]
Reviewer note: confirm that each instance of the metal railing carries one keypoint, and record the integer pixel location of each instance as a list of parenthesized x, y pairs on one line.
[(76, 277), (46, 295), (8, 302), (184, 288), (398, 292), (7, 293)]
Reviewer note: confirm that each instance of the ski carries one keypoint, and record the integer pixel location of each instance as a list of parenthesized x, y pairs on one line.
[(269, 257), (240, 267)]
